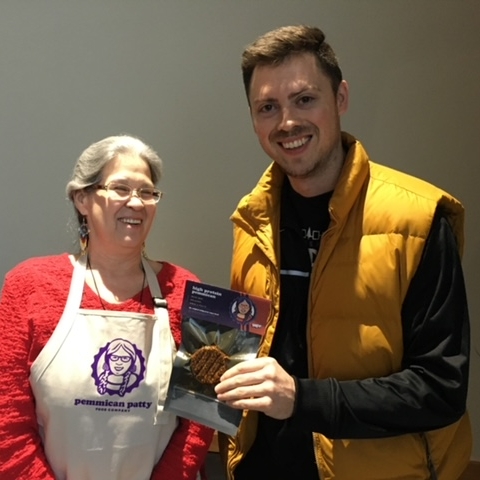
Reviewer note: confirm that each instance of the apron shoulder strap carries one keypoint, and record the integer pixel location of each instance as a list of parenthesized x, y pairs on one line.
[(158, 300)]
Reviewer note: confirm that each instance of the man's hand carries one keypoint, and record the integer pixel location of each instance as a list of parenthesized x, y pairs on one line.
[(260, 384)]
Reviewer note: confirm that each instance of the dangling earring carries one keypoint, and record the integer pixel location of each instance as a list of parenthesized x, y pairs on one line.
[(83, 231), (144, 252)]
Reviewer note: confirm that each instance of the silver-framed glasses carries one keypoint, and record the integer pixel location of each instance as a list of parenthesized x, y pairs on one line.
[(122, 192)]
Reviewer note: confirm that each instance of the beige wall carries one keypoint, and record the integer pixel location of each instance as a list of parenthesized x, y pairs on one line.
[(74, 72)]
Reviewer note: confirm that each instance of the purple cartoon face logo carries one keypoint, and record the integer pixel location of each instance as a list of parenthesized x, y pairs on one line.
[(118, 368), (242, 311)]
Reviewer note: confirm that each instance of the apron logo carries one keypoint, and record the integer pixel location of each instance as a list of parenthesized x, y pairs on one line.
[(118, 368)]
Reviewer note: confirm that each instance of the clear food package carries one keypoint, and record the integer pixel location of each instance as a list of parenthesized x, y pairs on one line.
[(220, 328)]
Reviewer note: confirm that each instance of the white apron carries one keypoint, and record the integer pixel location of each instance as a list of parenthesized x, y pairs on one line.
[(100, 384)]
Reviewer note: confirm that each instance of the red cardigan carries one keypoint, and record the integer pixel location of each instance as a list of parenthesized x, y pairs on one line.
[(32, 301)]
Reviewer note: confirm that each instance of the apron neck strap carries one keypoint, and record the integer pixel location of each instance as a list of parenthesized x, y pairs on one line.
[(78, 280), (158, 300)]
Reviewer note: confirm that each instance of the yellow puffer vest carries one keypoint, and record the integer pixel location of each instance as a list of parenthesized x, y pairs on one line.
[(380, 219)]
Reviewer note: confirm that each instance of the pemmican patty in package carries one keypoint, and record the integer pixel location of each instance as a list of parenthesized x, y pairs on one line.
[(220, 328)]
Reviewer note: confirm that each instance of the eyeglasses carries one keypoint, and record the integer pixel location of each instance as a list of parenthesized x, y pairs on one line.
[(119, 191), (116, 358)]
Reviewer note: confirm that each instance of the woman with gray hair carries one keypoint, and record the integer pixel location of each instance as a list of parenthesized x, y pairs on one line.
[(89, 339)]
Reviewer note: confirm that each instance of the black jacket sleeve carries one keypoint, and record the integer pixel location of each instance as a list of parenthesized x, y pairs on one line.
[(430, 390)]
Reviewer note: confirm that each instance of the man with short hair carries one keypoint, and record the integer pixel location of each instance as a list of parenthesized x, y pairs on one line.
[(363, 370)]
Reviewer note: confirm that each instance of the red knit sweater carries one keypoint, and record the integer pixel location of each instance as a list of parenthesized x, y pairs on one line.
[(32, 301)]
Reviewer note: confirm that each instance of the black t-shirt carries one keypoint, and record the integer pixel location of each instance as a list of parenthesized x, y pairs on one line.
[(302, 224), (279, 452)]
